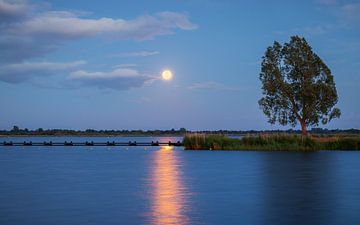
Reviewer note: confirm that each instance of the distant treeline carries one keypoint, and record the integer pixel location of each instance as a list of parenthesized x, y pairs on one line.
[(180, 132)]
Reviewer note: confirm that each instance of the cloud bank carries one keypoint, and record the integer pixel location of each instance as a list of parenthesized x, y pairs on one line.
[(118, 79), (22, 72), (351, 12), (65, 25), (348, 11), (12, 11), (27, 33), (136, 54)]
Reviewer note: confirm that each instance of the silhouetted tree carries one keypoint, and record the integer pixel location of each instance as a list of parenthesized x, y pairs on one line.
[(297, 86), (15, 129), (182, 130)]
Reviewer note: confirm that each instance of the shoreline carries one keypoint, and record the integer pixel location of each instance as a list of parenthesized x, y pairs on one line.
[(283, 142), (76, 135)]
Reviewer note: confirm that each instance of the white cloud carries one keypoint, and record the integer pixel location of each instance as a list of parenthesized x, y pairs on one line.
[(347, 14), (180, 20), (308, 30), (136, 54), (126, 65), (117, 73), (118, 79), (347, 11), (211, 85), (12, 11), (28, 32), (67, 25), (20, 72), (27, 35), (351, 12)]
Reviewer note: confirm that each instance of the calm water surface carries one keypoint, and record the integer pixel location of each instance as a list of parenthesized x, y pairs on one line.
[(166, 185)]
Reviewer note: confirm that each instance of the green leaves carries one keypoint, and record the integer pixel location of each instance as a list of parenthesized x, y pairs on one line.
[(297, 85)]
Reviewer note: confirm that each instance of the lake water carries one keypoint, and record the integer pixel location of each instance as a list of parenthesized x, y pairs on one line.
[(167, 185)]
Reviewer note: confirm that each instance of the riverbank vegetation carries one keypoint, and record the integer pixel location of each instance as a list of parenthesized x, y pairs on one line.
[(17, 131), (271, 142)]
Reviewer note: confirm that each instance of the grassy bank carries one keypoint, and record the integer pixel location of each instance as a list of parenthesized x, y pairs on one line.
[(273, 142)]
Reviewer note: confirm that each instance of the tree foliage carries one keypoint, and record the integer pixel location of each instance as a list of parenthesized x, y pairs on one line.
[(297, 86)]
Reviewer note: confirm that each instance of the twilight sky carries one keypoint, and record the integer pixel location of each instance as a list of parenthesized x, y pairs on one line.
[(96, 64)]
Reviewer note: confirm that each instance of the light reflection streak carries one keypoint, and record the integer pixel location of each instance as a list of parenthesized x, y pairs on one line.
[(168, 189)]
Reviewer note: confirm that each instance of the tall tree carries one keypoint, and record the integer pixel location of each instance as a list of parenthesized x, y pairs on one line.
[(297, 86)]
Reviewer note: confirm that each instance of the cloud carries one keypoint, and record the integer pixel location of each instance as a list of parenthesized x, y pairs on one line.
[(25, 35), (174, 19), (68, 25), (126, 65), (118, 79), (13, 11), (136, 54), (351, 12), (327, 2), (347, 11), (21, 72), (308, 30), (28, 32), (211, 85), (122, 78), (141, 100)]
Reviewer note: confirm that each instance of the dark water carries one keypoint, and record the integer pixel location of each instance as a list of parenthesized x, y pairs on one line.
[(119, 185)]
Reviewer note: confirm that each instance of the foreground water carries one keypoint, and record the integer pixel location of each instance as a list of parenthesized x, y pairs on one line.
[(166, 185)]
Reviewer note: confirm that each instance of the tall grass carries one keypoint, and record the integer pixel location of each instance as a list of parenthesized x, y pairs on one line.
[(273, 142), (208, 142)]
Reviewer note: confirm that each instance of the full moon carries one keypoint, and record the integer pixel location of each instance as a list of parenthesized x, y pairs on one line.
[(166, 75)]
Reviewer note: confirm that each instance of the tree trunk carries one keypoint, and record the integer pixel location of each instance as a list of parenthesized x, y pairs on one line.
[(303, 128)]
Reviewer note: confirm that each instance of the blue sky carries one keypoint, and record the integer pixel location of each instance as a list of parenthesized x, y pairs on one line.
[(97, 64)]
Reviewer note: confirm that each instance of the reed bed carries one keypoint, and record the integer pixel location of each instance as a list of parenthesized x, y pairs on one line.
[(269, 142)]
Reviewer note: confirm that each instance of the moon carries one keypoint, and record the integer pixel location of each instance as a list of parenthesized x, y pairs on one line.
[(166, 75)]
